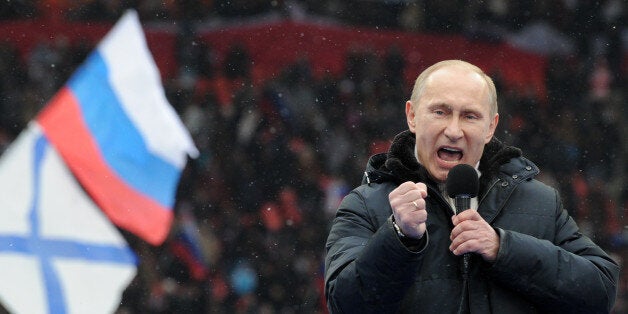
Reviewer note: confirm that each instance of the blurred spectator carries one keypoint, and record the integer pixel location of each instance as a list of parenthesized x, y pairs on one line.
[(18, 9)]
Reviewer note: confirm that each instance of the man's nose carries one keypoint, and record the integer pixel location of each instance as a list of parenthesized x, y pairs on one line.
[(453, 130)]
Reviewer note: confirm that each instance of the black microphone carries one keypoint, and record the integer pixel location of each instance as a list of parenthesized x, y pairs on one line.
[(462, 185)]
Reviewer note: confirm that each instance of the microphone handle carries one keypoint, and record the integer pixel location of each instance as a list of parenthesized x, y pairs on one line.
[(463, 307), (463, 202), (466, 261)]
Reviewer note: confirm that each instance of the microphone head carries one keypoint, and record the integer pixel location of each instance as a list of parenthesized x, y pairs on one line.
[(462, 180)]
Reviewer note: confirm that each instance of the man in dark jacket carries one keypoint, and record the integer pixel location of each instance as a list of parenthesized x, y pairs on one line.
[(396, 243)]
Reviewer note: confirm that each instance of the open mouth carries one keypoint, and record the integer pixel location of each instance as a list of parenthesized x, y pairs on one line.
[(450, 154)]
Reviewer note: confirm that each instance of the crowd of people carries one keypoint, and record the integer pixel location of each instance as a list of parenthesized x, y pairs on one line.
[(277, 157)]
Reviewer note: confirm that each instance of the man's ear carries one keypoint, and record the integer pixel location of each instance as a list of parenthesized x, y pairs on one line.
[(410, 116), (491, 128)]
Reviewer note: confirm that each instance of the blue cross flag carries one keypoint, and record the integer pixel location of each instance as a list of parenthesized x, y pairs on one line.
[(58, 251)]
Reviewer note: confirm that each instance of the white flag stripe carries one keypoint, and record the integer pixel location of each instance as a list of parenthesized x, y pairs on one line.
[(20, 288), (16, 184), (109, 280), (137, 83)]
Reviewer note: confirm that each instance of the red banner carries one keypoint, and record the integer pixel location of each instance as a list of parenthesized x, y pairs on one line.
[(272, 46)]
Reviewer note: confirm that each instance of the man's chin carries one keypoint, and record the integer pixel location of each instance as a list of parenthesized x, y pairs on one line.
[(439, 174)]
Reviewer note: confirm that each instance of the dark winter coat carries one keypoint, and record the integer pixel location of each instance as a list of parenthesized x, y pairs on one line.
[(544, 264)]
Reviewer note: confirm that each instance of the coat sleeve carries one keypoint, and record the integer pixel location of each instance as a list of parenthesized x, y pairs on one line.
[(571, 274), (367, 268)]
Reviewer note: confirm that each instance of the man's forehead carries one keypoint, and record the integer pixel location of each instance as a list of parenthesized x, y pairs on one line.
[(444, 81), (453, 70), (469, 83)]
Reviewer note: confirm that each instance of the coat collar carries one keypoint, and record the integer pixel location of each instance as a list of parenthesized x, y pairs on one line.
[(401, 165)]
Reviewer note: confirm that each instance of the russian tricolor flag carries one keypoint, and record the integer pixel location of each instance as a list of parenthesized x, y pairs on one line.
[(107, 148), (115, 129)]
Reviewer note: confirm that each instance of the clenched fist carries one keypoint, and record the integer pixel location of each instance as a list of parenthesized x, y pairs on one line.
[(408, 208)]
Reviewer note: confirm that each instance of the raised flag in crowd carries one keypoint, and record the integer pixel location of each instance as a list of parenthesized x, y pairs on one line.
[(107, 149)]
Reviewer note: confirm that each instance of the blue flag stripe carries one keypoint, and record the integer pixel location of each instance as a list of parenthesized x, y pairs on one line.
[(68, 249)]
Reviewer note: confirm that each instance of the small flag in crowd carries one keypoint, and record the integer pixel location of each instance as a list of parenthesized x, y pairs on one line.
[(107, 148), (187, 245)]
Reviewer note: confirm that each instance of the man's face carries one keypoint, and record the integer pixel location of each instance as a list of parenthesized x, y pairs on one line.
[(452, 120)]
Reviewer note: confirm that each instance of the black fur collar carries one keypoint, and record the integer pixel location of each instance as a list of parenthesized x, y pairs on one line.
[(401, 161)]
